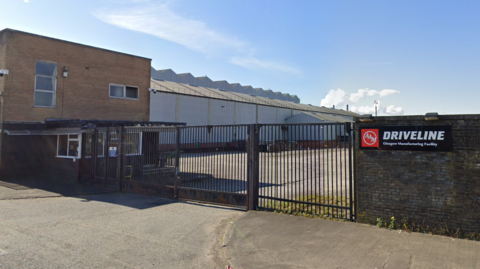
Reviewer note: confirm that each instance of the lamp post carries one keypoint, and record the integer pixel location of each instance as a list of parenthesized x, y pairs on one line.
[(375, 102)]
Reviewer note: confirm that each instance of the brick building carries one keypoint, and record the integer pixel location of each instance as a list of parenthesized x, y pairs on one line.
[(54, 80)]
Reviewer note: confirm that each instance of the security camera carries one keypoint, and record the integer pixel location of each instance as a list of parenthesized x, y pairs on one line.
[(152, 90), (3, 72)]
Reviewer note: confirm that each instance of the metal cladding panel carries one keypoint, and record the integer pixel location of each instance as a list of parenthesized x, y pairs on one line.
[(187, 78), (193, 110), (162, 107), (283, 114), (260, 92), (246, 114), (222, 112), (167, 74), (267, 114), (305, 132), (236, 88), (303, 118), (205, 82)]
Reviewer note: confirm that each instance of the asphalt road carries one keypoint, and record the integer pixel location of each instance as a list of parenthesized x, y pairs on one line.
[(112, 231)]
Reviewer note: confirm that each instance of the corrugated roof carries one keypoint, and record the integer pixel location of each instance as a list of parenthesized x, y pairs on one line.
[(180, 88), (327, 117)]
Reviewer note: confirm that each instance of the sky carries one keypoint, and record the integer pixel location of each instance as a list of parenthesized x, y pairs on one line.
[(410, 57)]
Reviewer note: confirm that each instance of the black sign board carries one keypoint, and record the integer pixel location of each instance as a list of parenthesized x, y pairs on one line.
[(420, 138)]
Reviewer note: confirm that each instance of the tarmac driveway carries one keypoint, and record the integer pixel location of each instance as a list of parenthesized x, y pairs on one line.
[(42, 187), (112, 230)]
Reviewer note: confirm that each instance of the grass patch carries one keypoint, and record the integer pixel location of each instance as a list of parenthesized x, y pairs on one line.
[(302, 206), (410, 225)]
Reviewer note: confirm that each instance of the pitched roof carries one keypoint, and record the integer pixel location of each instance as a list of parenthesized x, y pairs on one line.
[(200, 91)]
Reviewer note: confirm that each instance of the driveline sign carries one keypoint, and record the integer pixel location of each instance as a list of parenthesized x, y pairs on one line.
[(423, 138)]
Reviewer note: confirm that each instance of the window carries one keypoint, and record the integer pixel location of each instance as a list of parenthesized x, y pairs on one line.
[(101, 144), (125, 92), (68, 146), (45, 84)]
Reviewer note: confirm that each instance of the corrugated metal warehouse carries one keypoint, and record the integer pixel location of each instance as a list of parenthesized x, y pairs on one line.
[(180, 98)]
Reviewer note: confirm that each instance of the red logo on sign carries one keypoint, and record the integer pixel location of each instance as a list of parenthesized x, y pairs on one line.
[(370, 138)]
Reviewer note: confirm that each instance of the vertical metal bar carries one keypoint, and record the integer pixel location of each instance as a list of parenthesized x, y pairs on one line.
[(353, 177), (106, 156), (177, 160), (316, 164), (336, 167), (253, 181), (94, 154), (80, 162), (120, 160), (305, 190)]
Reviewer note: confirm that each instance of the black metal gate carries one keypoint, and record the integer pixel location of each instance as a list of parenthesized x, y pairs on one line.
[(307, 169), (205, 163), (297, 169)]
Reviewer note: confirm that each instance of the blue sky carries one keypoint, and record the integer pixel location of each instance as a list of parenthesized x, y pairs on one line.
[(413, 57)]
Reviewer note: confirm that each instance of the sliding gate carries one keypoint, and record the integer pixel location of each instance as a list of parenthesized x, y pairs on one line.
[(307, 169), (296, 169), (207, 164)]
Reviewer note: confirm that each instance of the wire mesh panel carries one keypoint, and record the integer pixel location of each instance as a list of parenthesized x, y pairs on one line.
[(306, 169)]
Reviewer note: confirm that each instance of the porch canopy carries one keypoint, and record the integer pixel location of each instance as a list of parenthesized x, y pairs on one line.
[(71, 126)]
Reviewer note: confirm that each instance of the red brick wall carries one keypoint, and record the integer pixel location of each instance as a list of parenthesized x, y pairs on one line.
[(84, 94)]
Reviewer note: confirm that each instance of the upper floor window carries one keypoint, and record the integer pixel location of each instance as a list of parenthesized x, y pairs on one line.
[(45, 84), (121, 91)]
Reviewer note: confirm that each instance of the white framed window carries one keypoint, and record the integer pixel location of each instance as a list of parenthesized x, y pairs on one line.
[(133, 143), (69, 145), (45, 84), (123, 92)]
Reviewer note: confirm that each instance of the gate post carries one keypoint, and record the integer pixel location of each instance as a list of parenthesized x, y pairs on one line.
[(121, 157), (177, 161), (252, 166)]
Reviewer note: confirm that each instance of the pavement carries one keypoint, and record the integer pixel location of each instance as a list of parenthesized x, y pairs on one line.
[(67, 225), (112, 230), (38, 187), (270, 240)]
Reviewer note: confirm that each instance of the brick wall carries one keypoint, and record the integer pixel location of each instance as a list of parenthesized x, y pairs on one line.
[(430, 188), (34, 155), (84, 94), (3, 48)]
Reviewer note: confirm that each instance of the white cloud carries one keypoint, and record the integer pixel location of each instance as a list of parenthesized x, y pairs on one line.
[(26, 1), (381, 110), (334, 98), (364, 109), (339, 98), (159, 20), (251, 62), (387, 92), (355, 97), (391, 110)]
